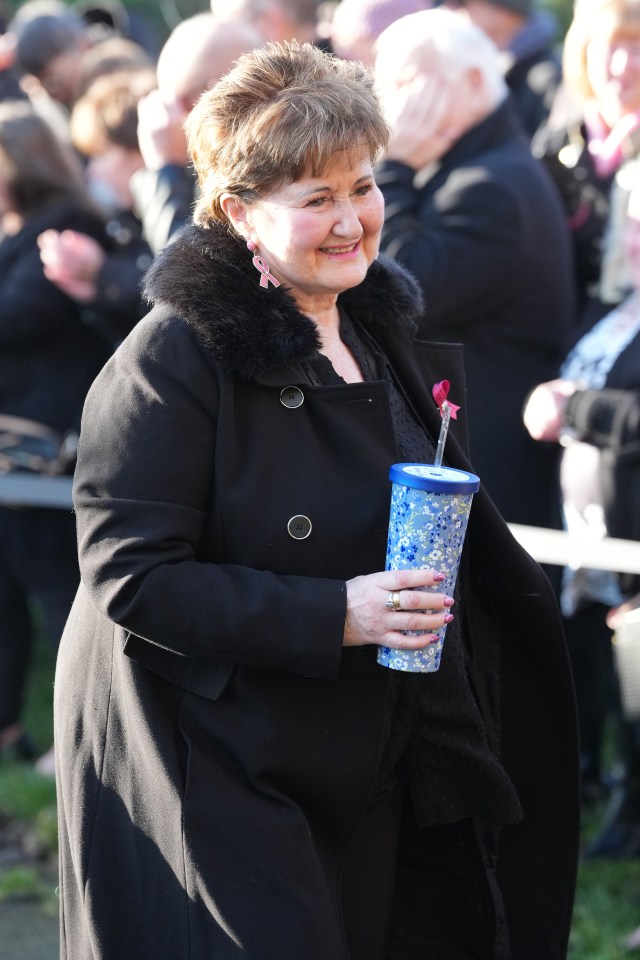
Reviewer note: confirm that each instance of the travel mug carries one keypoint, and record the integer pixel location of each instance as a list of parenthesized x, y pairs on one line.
[(430, 508)]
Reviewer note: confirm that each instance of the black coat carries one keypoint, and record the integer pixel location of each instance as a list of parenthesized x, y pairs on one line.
[(49, 356), (609, 418), (486, 239), (216, 742)]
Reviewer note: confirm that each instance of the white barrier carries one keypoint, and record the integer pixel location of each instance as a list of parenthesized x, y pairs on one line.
[(545, 546), (560, 548), (24, 489)]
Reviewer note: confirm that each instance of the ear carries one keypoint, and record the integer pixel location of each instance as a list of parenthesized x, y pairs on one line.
[(236, 213)]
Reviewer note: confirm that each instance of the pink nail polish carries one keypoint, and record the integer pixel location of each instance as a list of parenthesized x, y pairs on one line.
[(448, 602), (448, 617), (439, 577)]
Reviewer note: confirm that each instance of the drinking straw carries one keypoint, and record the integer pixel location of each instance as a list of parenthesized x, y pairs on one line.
[(448, 410)]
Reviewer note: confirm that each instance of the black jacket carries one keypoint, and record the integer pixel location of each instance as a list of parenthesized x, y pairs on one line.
[(609, 418), (486, 239), (216, 743), (49, 355)]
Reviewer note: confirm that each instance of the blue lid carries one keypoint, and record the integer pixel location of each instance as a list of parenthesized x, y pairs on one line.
[(424, 476)]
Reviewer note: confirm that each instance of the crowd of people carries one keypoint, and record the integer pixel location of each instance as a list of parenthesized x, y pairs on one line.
[(486, 172)]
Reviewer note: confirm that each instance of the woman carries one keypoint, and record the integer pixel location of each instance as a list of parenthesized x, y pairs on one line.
[(48, 359), (104, 125), (593, 130), (226, 740), (594, 410)]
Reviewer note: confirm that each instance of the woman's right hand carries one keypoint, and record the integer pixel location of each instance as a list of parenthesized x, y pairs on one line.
[(544, 410), (369, 619)]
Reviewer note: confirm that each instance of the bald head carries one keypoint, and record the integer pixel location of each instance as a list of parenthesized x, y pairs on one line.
[(199, 51)]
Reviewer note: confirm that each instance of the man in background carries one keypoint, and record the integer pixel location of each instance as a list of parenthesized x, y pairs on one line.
[(198, 52)]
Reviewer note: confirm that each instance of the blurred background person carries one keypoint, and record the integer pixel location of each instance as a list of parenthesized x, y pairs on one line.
[(357, 24), (48, 359), (112, 56), (593, 409), (49, 52), (104, 130), (593, 130), (197, 53), (478, 222), (279, 20), (525, 36)]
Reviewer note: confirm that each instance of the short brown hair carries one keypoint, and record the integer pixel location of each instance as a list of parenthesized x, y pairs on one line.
[(107, 112), (282, 112), (595, 19), (37, 168)]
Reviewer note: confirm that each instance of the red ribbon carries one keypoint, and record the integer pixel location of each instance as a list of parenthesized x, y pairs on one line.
[(263, 267), (440, 393)]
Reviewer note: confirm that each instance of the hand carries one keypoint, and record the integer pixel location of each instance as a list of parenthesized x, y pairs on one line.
[(161, 137), (8, 46), (369, 620), (615, 615), (543, 414), (418, 113), (72, 261)]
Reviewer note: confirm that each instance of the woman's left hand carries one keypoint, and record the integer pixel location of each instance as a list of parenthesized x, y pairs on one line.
[(371, 619)]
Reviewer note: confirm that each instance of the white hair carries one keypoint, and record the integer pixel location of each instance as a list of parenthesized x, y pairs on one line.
[(446, 40)]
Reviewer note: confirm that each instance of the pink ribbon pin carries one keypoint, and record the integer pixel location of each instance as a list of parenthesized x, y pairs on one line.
[(263, 267), (440, 393)]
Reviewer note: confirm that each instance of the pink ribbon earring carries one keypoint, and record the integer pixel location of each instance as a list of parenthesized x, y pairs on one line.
[(263, 267)]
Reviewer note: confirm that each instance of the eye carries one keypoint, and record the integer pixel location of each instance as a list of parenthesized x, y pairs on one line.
[(317, 201), (365, 189)]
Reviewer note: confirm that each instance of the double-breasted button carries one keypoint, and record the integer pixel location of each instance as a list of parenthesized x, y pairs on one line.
[(299, 527), (291, 397)]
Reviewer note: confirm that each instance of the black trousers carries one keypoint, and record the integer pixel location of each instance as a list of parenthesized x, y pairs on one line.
[(420, 894), (38, 579)]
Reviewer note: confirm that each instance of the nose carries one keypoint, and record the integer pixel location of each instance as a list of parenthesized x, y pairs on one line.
[(347, 222)]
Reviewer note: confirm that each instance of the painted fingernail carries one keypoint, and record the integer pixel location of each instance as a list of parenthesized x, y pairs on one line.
[(439, 577), (448, 617), (448, 602)]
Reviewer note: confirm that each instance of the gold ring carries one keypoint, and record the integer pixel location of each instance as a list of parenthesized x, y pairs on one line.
[(393, 601)]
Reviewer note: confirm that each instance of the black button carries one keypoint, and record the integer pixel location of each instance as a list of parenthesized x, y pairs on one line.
[(299, 527), (291, 397)]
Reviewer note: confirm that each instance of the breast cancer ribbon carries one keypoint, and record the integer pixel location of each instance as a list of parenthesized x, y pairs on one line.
[(440, 393), (267, 276)]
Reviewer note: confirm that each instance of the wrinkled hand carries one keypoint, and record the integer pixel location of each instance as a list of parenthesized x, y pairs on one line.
[(544, 410), (418, 113), (161, 137), (370, 621), (72, 261)]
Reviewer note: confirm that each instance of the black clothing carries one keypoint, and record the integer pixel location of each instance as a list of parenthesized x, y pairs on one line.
[(218, 746), (486, 240)]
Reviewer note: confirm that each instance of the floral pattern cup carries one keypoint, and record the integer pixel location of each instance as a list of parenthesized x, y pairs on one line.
[(430, 509)]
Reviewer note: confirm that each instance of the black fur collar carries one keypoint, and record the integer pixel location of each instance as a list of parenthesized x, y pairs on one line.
[(206, 276)]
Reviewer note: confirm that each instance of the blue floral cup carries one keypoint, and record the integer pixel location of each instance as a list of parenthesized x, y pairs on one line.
[(430, 509)]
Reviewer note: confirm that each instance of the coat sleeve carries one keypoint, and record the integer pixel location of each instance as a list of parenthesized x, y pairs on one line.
[(142, 494), (605, 418), (459, 241)]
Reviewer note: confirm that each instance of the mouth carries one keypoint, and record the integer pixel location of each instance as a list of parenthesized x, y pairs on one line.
[(341, 251)]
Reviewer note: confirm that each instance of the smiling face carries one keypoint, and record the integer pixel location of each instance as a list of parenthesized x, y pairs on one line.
[(613, 71), (318, 234)]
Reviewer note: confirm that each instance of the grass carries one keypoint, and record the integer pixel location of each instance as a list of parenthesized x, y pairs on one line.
[(607, 904)]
